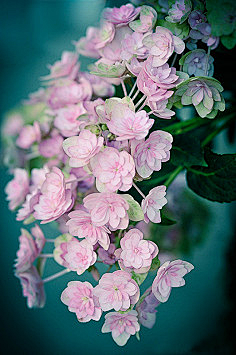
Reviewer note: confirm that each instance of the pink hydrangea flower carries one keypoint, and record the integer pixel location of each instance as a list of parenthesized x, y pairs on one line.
[(117, 290), (77, 256), (105, 34), (86, 181), (134, 66), (30, 248), (33, 287), (121, 15), (121, 326), (147, 20), (147, 86), (114, 170), (108, 208), (150, 154), (107, 256), (135, 252), (79, 298), (67, 121), (153, 203), (13, 124), (159, 108), (162, 43), (132, 45), (51, 147), (55, 199), (18, 188), (82, 148), (102, 87), (169, 275), (127, 124), (81, 225), (87, 45), (29, 135), (66, 67), (147, 309)]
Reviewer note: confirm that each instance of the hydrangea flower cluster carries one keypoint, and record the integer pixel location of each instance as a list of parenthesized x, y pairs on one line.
[(81, 147)]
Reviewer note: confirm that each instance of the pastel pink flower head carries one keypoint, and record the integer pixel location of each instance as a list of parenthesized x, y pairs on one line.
[(121, 326), (33, 288), (82, 148), (17, 188), (113, 170), (150, 154), (13, 124), (134, 66), (81, 225), (105, 34), (107, 208), (66, 67), (147, 20), (79, 298), (86, 181), (132, 45), (29, 135), (107, 256), (27, 207), (87, 45), (117, 290), (153, 203), (29, 249), (147, 309), (127, 124), (67, 119), (161, 44), (77, 256), (101, 88), (51, 147), (169, 275), (121, 16), (160, 109), (55, 199), (137, 253)]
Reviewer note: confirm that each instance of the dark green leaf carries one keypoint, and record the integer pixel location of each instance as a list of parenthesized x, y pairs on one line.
[(166, 221), (186, 150)]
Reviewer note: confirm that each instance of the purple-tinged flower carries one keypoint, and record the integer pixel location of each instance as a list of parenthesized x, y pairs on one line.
[(81, 225), (160, 109), (102, 87), (132, 45), (147, 20), (150, 154), (147, 309), (52, 146), (87, 45), (121, 326), (113, 170), (79, 298), (135, 252), (121, 16), (104, 35), (67, 121), (28, 135), (153, 203), (169, 275), (107, 256), (198, 63), (108, 208), (33, 287), (29, 249), (162, 43), (179, 11), (12, 124), (117, 290), (66, 67), (199, 25), (87, 181), (134, 66), (82, 148), (17, 188)]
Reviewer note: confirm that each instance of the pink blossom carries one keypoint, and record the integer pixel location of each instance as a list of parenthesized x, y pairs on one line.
[(147, 86), (82, 148), (108, 208), (86, 181), (153, 203), (33, 287), (147, 20), (132, 45), (147, 309), (149, 155), (162, 43), (107, 256), (18, 188), (67, 119), (29, 135), (160, 107), (13, 124), (117, 290), (169, 275), (81, 225), (87, 45), (135, 252), (76, 256), (121, 15), (114, 170), (134, 66), (101, 88), (51, 147), (127, 124), (55, 199), (66, 67), (27, 207), (79, 298), (38, 177), (29, 249), (105, 35), (121, 326)]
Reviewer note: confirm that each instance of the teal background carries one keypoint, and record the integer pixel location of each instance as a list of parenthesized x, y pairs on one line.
[(198, 317)]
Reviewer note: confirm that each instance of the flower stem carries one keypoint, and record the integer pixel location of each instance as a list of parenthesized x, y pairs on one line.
[(173, 176), (174, 59), (140, 101), (207, 61), (123, 87), (133, 88), (78, 180), (55, 276), (139, 191), (46, 255), (135, 95)]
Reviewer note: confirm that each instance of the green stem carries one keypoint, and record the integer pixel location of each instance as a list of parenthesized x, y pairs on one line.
[(157, 180), (173, 176), (217, 131)]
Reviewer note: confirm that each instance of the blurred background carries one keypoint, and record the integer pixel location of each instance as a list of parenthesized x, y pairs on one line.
[(198, 318)]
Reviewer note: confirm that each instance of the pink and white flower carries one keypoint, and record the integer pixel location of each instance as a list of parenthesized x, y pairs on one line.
[(169, 275), (79, 298), (135, 252), (17, 188), (67, 119), (132, 45), (80, 224), (121, 326), (28, 135), (121, 16), (66, 67), (87, 45), (51, 147), (113, 170), (153, 203), (117, 290), (82, 148), (109, 209)]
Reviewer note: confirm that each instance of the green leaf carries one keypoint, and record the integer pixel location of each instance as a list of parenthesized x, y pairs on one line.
[(135, 211), (139, 278), (221, 14), (155, 264), (217, 181), (186, 150), (179, 30), (229, 41), (166, 221)]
